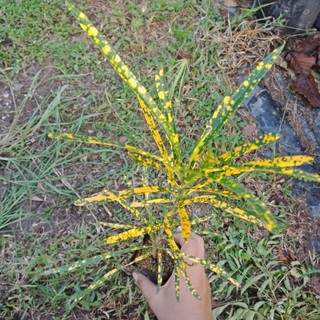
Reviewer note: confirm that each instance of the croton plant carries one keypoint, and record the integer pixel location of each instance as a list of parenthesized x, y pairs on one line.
[(207, 176)]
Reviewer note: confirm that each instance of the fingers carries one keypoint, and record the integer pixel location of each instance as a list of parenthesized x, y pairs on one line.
[(194, 247), (178, 239), (146, 286)]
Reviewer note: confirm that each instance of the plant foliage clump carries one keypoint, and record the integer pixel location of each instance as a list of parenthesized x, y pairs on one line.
[(204, 178)]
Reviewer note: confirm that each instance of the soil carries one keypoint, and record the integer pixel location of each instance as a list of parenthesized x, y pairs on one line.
[(149, 267)]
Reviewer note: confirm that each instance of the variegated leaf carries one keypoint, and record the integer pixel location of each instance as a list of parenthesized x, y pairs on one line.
[(160, 270), (139, 204), (125, 73), (157, 138), (185, 223), (163, 94), (209, 160), (146, 161), (105, 195), (112, 197), (230, 104), (115, 225), (278, 165), (188, 282), (211, 267), (86, 262), (177, 279), (100, 281), (258, 206), (133, 233), (97, 141), (168, 230), (237, 212)]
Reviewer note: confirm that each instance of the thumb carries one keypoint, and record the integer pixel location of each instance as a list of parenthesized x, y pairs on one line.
[(148, 288)]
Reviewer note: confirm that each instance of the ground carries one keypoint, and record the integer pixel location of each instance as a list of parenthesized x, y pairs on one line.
[(54, 80)]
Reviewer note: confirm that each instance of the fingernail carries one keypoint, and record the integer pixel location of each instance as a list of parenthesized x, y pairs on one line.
[(135, 276)]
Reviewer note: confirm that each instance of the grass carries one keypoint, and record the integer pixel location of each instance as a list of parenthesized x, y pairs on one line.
[(59, 80)]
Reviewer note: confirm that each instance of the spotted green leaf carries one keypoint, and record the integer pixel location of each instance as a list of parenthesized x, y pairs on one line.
[(159, 270), (97, 141), (163, 94), (259, 208), (89, 261), (237, 212), (106, 195), (177, 279), (211, 267), (114, 225), (146, 101), (229, 105), (100, 281), (185, 223), (133, 233), (188, 281), (281, 165), (239, 151)]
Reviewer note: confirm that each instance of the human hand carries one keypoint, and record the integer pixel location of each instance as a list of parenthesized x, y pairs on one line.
[(164, 303)]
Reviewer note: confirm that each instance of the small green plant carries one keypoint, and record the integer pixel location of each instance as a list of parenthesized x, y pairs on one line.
[(203, 176)]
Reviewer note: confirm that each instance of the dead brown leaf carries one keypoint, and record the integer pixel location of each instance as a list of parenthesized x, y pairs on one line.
[(286, 256), (123, 139), (305, 83), (230, 3), (181, 54), (310, 45), (216, 304), (301, 60), (250, 131), (36, 198), (315, 284)]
